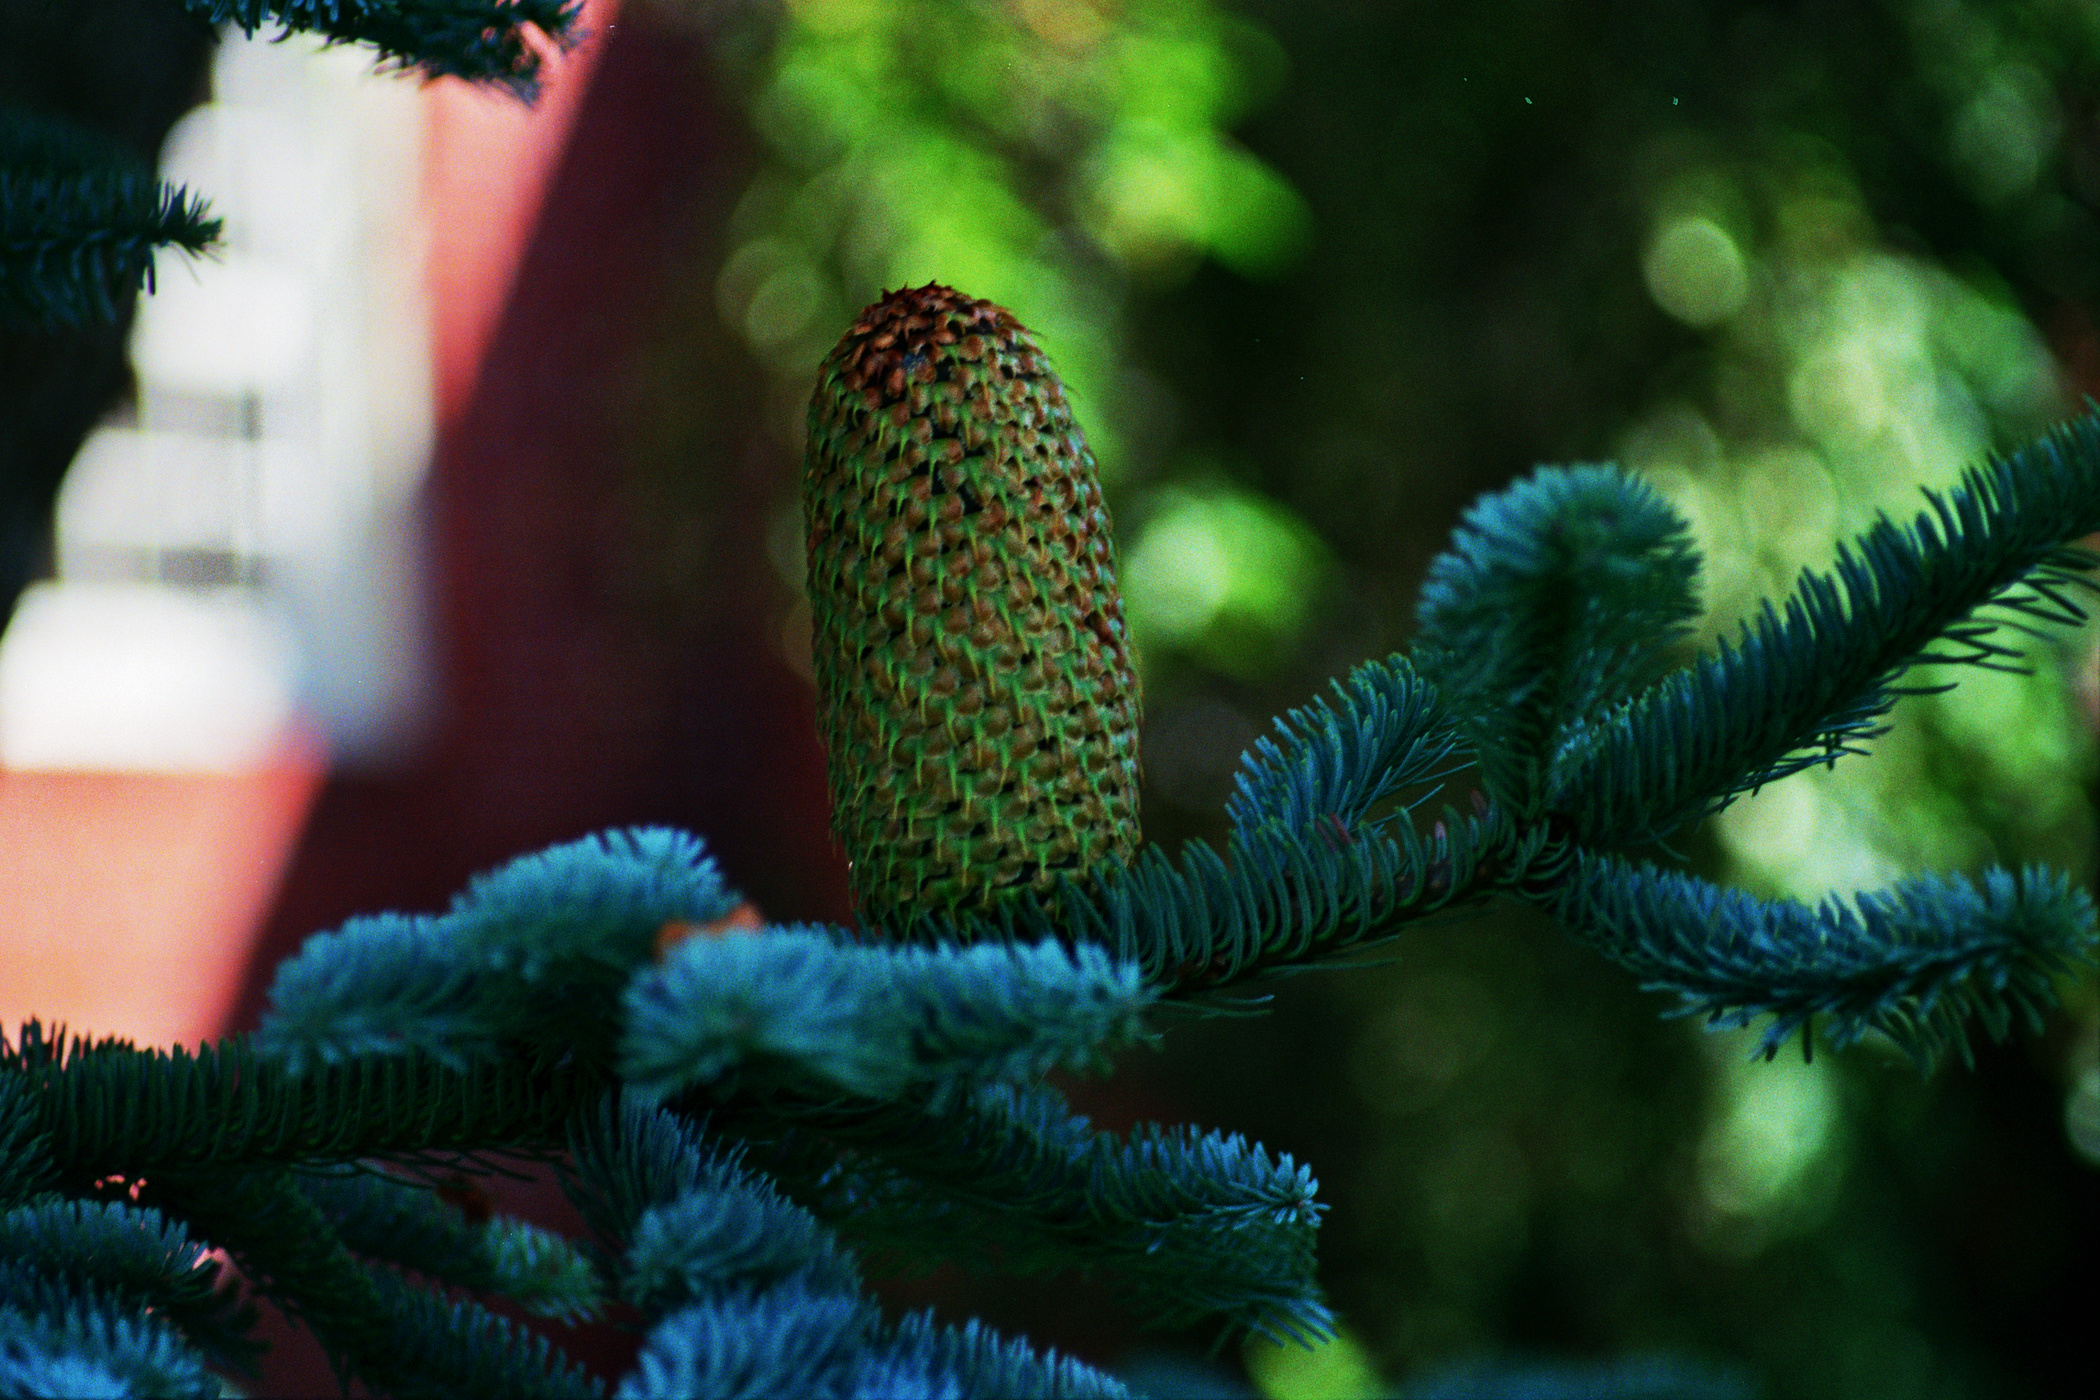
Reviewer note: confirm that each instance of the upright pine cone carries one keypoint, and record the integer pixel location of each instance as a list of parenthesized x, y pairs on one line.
[(974, 679)]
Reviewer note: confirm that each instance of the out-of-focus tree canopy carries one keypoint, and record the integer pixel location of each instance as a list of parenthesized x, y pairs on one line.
[(1320, 273), (1040, 154)]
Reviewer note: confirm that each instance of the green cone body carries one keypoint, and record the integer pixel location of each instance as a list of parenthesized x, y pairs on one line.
[(975, 686)]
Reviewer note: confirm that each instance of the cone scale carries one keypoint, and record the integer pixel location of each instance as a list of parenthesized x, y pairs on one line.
[(975, 685)]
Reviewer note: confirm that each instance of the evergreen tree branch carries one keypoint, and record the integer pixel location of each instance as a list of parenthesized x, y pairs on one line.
[(1279, 901), (754, 1296), (1914, 962), (626, 1155), (1323, 862), (531, 959), (793, 1340), (985, 1363), (285, 1249), (112, 1110), (1558, 597), (1799, 690), (686, 1219), (82, 1346), (540, 1271), (1191, 1226), (80, 222), (26, 1168), (389, 984), (400, 1340), (37, 1365), (461, 1349), (479, 40), (702, 1243), (405, 1224), (1310, 874), (788, 1340), (59, 1252), (1385, 730), (871, 1020)]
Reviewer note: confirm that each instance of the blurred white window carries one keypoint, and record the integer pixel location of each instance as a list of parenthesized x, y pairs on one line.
[(240, 557)]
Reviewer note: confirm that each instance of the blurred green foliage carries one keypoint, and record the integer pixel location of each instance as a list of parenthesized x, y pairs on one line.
[(1221, 575), (1040, 153), (1841, 376), (1320, 273)]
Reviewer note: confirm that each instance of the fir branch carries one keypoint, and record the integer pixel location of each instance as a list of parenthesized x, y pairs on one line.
[(110, 1109), (1914, 962), (35, 1365), (791, 1340), (26, 1168), (748, 1346), (703, 1242), (874, 1021), (626, 1155), (1190, 1225), (1280, 900), (93, 1347), (531, 959), (1800, 690), (765, 1301), (984, 1363), (387, 984), (604, 898), (479, 40), (538, 1270), (81, 219), (398, 1339), (688, 1218), (1558, 596), (59, 1252), (1385, 730), (406, 1224), (461, 1350), (1323, 863), (285, 1248)]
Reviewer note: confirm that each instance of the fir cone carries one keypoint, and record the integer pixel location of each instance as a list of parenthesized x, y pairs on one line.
[(975, 685)]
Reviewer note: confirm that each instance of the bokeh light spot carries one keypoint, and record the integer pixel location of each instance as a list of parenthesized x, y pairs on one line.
[(1767, 1163), (784, 305), (1225, 574), (2003, 135), (1337, 1369), (2082, 1115), (1696, 272)]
